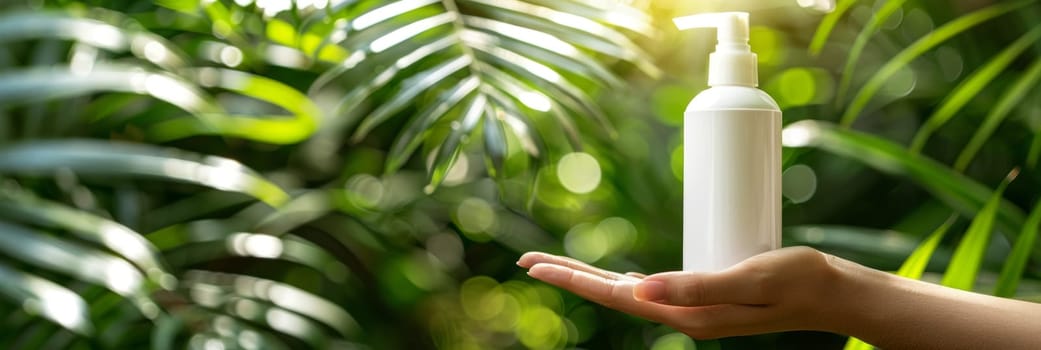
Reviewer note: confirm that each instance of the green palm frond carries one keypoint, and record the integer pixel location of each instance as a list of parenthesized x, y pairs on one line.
[(473, 67)]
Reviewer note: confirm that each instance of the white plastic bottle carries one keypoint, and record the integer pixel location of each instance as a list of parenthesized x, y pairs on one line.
[(732, 155)]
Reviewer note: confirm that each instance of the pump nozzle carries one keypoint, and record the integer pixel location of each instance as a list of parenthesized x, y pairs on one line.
[(733, 63)]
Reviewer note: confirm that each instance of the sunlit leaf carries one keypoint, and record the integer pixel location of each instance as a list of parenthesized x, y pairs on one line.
[(279, 129), (1015, 263), (76, 260), (457, 137), (279, 295), (919, 47), (820, 37), (128, 244), (971, 87), (56, 25), (47, 299), (965, 264), (99, 158)]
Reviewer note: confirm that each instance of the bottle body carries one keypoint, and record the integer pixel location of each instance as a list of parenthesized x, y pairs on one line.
[(731, 177)]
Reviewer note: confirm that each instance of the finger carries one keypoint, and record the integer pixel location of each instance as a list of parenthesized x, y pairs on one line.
[(532, 258), (700, 288), (635, 274), (615, 294)]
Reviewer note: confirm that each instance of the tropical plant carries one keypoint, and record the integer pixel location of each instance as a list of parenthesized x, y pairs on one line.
[(243, 174)]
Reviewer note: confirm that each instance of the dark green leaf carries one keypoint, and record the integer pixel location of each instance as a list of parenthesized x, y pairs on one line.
[(1016, 262)]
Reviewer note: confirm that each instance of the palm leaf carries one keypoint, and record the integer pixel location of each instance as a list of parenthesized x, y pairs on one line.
[(547, 47), (47, 299), (99, 158), (120, 239)]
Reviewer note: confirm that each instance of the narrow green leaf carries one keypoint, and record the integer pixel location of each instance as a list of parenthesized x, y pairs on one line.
[(971, 86), (187, 247), (495, 143), (913, 268), (414, 133), (916, 263), (1009, 100), (415, 85), (47, 299), (76, 260), (820, 37), (279, 295), (919, 47), (873, 25), (99, 158), (965, 264), (457, 138), (276, 129), (1016, 262), (955, 190)]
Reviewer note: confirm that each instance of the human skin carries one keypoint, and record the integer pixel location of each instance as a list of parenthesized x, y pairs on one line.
[(800, 288)]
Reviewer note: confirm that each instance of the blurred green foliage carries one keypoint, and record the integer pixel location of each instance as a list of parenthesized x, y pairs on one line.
[(363, 174)]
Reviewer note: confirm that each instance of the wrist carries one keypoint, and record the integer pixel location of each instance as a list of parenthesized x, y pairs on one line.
[(854, 301)]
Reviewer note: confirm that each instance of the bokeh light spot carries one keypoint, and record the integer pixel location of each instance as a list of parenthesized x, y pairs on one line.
[(540, 328), (674, 341), (475, 215), (579, 172), (482, 298), (584, 242), (797, 87), (799, 183), (768, 45), (365, 190)]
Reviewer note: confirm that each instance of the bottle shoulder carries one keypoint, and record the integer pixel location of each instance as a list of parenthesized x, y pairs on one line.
[(733, 97)]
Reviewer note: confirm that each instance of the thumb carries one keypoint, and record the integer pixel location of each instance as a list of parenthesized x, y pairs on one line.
[(700, 288)]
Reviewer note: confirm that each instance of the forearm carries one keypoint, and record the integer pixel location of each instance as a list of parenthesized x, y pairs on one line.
[(892, 312)]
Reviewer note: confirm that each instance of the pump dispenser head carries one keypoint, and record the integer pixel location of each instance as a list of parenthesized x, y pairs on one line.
[(733, 63)]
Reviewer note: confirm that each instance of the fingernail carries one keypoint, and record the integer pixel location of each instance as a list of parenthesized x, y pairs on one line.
[(649, 291), (547, 273)]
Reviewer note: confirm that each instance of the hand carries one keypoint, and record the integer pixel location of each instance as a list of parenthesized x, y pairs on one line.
[(785, 289)]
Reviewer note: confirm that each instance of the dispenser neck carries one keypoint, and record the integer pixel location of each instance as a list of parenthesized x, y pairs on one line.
[(733, 68)]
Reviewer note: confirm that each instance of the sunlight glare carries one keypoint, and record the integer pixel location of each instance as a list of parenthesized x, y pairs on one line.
[(799, 134)]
